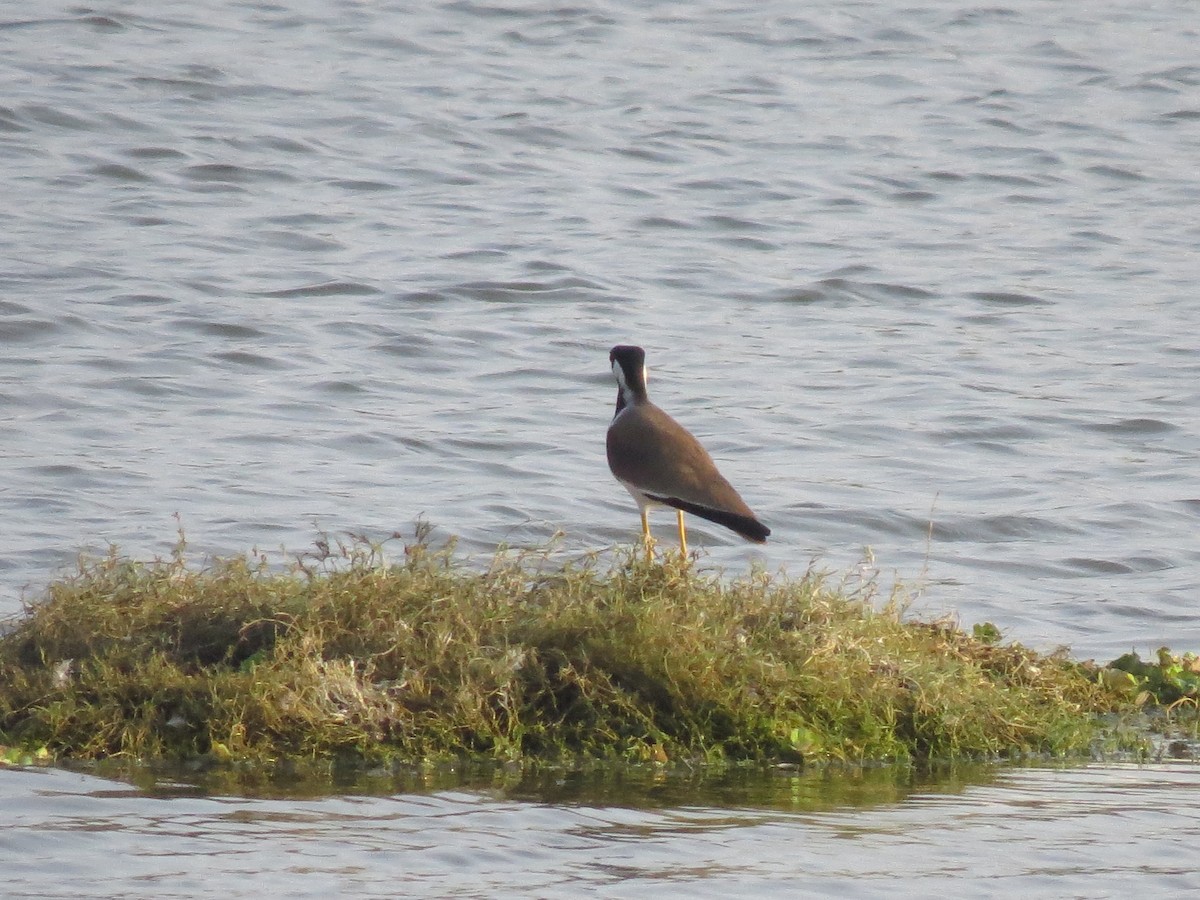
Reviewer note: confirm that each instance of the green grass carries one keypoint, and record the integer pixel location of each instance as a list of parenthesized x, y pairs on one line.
[(430, 658)]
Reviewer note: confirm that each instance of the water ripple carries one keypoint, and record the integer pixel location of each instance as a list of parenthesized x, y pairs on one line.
[(929, 272)]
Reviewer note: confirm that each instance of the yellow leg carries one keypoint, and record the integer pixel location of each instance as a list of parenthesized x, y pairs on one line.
[(647, 540), (682, 534)]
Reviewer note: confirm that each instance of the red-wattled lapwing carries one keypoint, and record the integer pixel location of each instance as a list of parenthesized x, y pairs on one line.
[(661, 463)]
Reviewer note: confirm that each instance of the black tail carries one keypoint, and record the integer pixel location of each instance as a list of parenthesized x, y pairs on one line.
[(747, 526)]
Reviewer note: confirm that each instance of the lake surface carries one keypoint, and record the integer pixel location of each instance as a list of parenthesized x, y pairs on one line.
[(1104, 832), (921, 276)]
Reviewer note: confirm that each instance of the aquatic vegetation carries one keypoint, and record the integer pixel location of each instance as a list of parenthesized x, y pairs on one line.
[(1172, 681), (427, 658)]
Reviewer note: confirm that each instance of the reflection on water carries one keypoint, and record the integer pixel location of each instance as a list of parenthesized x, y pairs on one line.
[(974, 832), (755, 785)]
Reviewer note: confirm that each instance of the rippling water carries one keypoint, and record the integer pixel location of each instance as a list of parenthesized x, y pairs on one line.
[(1106, 832), (921, 276)]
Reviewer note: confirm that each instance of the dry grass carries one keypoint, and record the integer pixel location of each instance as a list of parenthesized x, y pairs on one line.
[(528, 659)]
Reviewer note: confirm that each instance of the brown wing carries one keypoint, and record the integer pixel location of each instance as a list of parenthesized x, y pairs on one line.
[(658, 456)]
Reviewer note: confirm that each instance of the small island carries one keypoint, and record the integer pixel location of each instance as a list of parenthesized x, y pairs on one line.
[(625, 656)]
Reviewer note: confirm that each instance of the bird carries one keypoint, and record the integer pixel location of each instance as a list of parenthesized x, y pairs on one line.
[(661, 463)]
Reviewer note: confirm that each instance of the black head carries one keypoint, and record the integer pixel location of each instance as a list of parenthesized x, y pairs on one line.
[(629, 368)]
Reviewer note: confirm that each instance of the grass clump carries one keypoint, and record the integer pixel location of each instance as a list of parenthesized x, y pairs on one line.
[(427, 658)]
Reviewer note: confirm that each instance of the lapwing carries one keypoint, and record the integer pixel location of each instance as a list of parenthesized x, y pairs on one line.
[(660, 463)]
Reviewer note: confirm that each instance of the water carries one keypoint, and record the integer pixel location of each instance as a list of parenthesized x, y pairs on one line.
[(1038, 833), (921, 276)]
